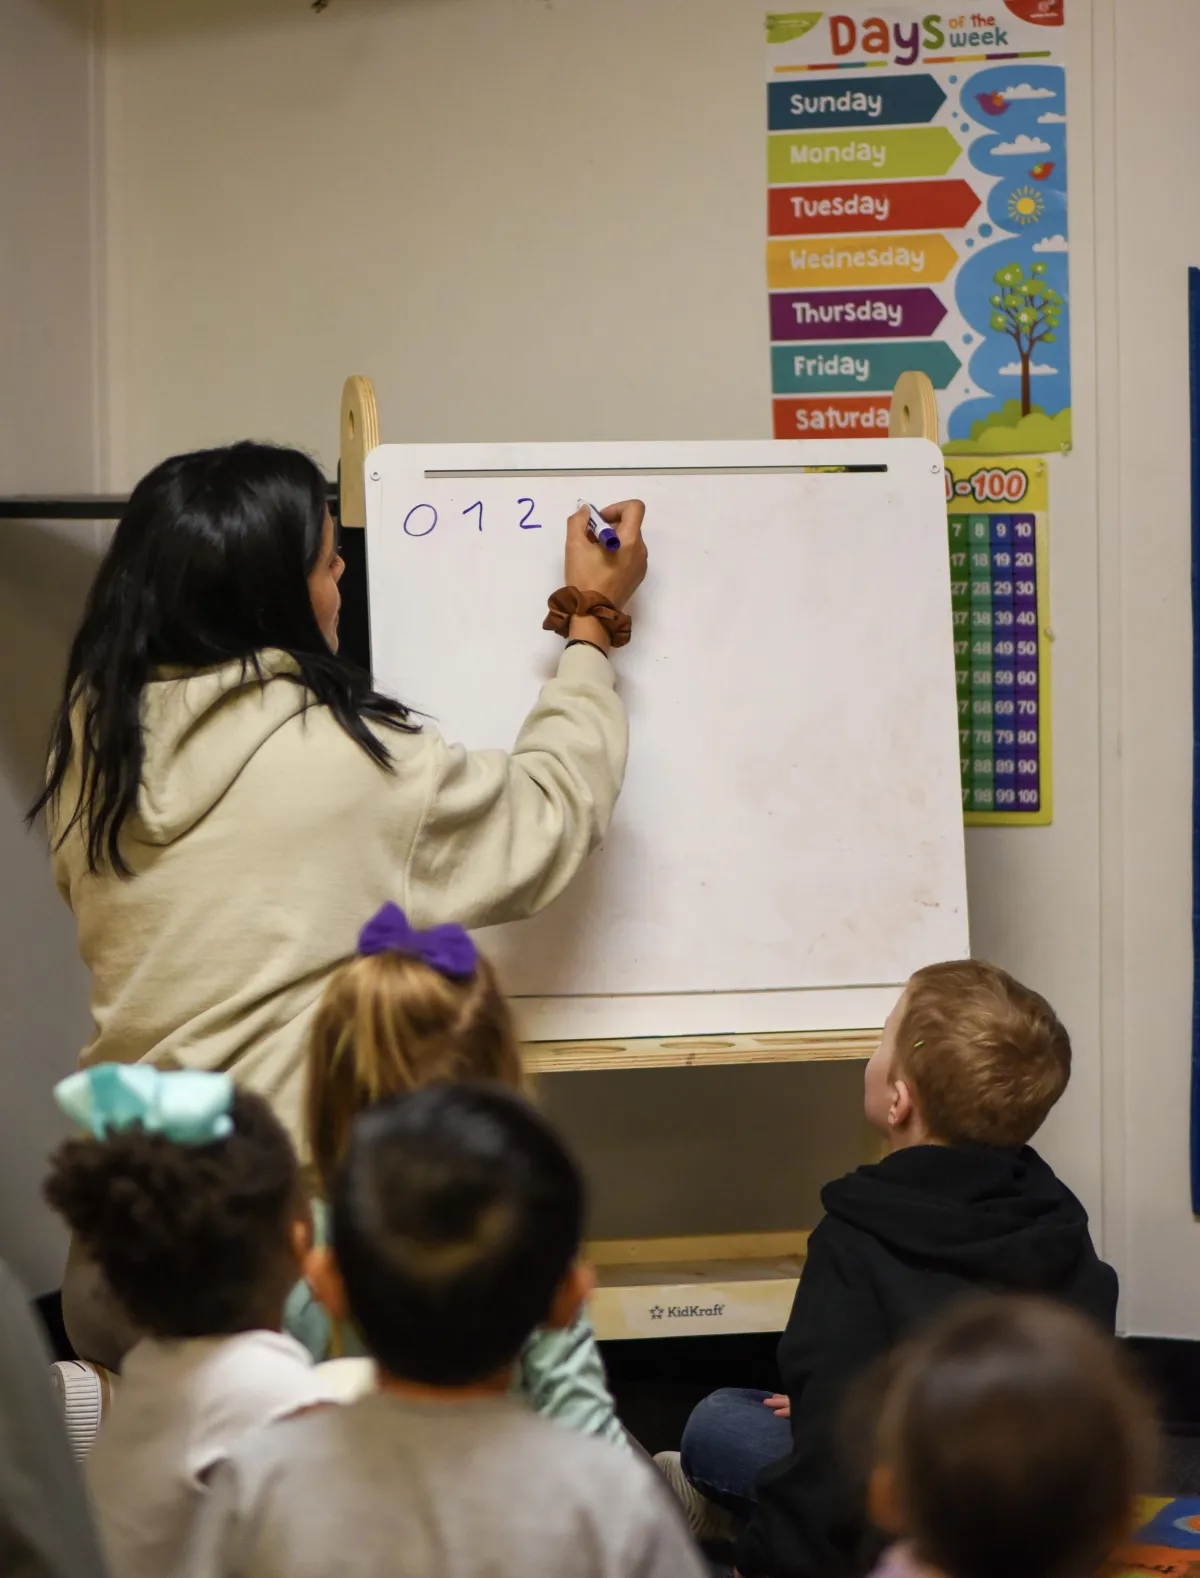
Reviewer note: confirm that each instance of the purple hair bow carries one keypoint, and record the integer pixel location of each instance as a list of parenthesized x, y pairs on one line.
[(446, 949)]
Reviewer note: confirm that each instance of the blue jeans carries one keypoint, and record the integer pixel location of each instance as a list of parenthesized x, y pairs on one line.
[(728, 1441)]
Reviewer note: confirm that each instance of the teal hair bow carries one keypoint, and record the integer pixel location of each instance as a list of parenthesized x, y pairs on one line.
[(188, 1106)]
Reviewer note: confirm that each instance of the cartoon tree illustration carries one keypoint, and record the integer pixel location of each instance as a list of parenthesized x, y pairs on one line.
[(1029, 311)]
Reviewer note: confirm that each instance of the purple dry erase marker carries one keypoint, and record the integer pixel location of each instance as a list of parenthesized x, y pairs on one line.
[(598, 528)]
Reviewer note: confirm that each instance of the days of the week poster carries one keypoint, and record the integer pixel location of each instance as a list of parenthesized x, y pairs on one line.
[(917, 219)]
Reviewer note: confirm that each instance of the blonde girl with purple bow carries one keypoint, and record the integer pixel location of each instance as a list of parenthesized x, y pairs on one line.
[(419, 1008)]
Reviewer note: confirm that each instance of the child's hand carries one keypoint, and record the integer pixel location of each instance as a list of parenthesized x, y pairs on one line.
[(779, 1405)]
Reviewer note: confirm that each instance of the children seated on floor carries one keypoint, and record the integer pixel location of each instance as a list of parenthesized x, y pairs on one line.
[(456, 1225), (970, 1064), (186, 1194), (413, 1008), (1011, 1440)]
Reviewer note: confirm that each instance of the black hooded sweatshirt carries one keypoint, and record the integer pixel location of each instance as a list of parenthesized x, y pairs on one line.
[(901, 1240)]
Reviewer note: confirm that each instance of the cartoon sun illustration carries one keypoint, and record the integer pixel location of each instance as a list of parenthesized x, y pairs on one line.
[(1026, 205)]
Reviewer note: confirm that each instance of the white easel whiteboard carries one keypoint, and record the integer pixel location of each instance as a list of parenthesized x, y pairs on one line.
[(789, 846)]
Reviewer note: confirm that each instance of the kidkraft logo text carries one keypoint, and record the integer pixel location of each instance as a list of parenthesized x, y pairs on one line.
[(686, 1311), (904, 42)]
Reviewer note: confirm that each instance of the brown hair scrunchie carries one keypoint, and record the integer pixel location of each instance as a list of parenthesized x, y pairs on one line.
[(569, 601)]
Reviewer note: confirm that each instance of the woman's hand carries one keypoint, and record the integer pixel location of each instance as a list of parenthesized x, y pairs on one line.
[(779, 1405), (592, 568)]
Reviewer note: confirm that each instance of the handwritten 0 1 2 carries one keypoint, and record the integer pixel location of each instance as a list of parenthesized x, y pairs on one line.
[(422, 518)]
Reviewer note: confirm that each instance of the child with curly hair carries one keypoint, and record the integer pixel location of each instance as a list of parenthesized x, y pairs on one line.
[(186, 1194)]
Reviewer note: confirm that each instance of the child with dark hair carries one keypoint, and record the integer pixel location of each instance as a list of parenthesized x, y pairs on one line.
[(1011, 1440), (186, 1195), (457, 1220)]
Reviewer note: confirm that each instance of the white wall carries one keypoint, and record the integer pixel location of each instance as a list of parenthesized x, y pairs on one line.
[(1150, 236), (543, 218), (48, 439), (524, 218)]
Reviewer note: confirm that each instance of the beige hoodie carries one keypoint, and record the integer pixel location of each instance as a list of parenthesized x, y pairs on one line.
[(264, 838)]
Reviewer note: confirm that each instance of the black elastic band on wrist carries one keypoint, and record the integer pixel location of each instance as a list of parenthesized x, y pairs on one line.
[(578, 641)]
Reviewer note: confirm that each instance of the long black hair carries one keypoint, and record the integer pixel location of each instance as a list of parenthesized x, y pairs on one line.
[(209, 564)]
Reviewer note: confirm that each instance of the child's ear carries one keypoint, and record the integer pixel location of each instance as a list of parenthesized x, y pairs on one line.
[(323, 1277), (570, 1296), (901, 1106), (301, 1236), (882, 1504)]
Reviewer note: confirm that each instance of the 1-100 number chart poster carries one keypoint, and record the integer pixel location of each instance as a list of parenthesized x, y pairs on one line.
[(917, 221), (999, 592)]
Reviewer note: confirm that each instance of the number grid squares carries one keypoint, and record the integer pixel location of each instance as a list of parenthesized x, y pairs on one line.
[(997, 589)]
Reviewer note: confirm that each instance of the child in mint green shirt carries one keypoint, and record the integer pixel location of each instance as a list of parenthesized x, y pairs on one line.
[(419, 1008)]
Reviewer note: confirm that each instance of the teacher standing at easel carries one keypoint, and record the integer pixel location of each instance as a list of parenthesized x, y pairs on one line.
[(227, 799)]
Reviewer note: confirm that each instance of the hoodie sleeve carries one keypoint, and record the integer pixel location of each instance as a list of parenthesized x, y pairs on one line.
[(808, 1523), (504, 833)]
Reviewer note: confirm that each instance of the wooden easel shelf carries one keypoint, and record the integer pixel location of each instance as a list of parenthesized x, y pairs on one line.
[(818, 1046), (695, 1287)]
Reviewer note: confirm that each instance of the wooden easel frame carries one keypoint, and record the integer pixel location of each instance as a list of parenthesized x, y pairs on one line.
[(670, 1287)]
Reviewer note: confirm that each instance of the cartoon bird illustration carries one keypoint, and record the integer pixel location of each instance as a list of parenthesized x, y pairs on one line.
[(1041, 171), (992, 103), (1046, 13)]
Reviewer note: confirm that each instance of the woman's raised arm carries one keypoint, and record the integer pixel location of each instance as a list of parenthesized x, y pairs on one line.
[(504, 833)]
